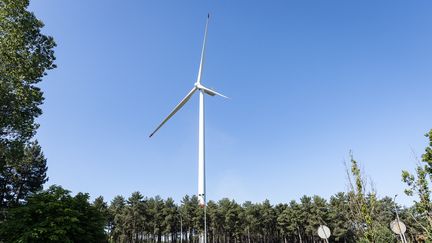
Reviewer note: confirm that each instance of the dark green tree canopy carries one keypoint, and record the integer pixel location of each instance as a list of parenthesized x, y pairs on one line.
[(54, 216), (25, 56)]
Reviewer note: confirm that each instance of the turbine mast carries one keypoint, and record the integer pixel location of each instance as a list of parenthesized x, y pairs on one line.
[(201, 138), (201, 165), (201, 153)]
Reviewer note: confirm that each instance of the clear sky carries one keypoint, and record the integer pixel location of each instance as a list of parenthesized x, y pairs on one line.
[(308, 81)]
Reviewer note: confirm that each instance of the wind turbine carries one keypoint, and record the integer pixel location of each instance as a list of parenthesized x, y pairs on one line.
[(201, 143)]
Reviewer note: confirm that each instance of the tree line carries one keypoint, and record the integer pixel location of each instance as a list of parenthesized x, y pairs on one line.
[(353, 216), (30, 214)]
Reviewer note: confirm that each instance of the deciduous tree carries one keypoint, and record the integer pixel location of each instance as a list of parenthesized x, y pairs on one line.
[(54, 216), (25, 56)]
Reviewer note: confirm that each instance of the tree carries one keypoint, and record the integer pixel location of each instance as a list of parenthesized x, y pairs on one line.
[(229, 211), (340, 218), (251, 221), (279, 209), (306, 217), (102, 207), (364, 208), (268, 221), (192, 221), (170, 218), (157, 220), (54, 216), (22, 177), (286, 224), (134, 217), (320, 214), (213, 221), (115, 218), (25, 56), (155, 210), (419, 185)]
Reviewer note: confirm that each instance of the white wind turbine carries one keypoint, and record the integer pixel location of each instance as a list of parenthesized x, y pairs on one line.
[(201, 148)]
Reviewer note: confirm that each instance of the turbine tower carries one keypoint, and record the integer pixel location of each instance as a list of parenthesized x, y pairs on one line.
[(201, 139)]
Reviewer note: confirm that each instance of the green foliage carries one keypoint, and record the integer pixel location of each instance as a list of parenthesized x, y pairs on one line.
[(339, 218), (427, 156), (169, 214), (141, 219), (369, 225), (20, 178), (230, 214), (101, 206), (25, 56), (418, 185), (115, 218), (54, 216), (250, 217)]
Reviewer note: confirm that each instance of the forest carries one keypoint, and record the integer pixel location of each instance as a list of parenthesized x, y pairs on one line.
[(30, 213), (353, 216)]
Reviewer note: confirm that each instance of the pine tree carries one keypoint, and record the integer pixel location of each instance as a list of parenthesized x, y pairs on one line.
[(340, 220), (116, 219), (170, 219)]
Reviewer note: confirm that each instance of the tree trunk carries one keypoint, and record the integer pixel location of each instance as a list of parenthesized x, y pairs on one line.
[(248, 235)]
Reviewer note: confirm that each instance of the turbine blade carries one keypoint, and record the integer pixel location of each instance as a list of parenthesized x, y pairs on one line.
[(177, 108), (201, 66), (211, 92)]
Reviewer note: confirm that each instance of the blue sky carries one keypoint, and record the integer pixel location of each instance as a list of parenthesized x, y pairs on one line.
[(308, 81)]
